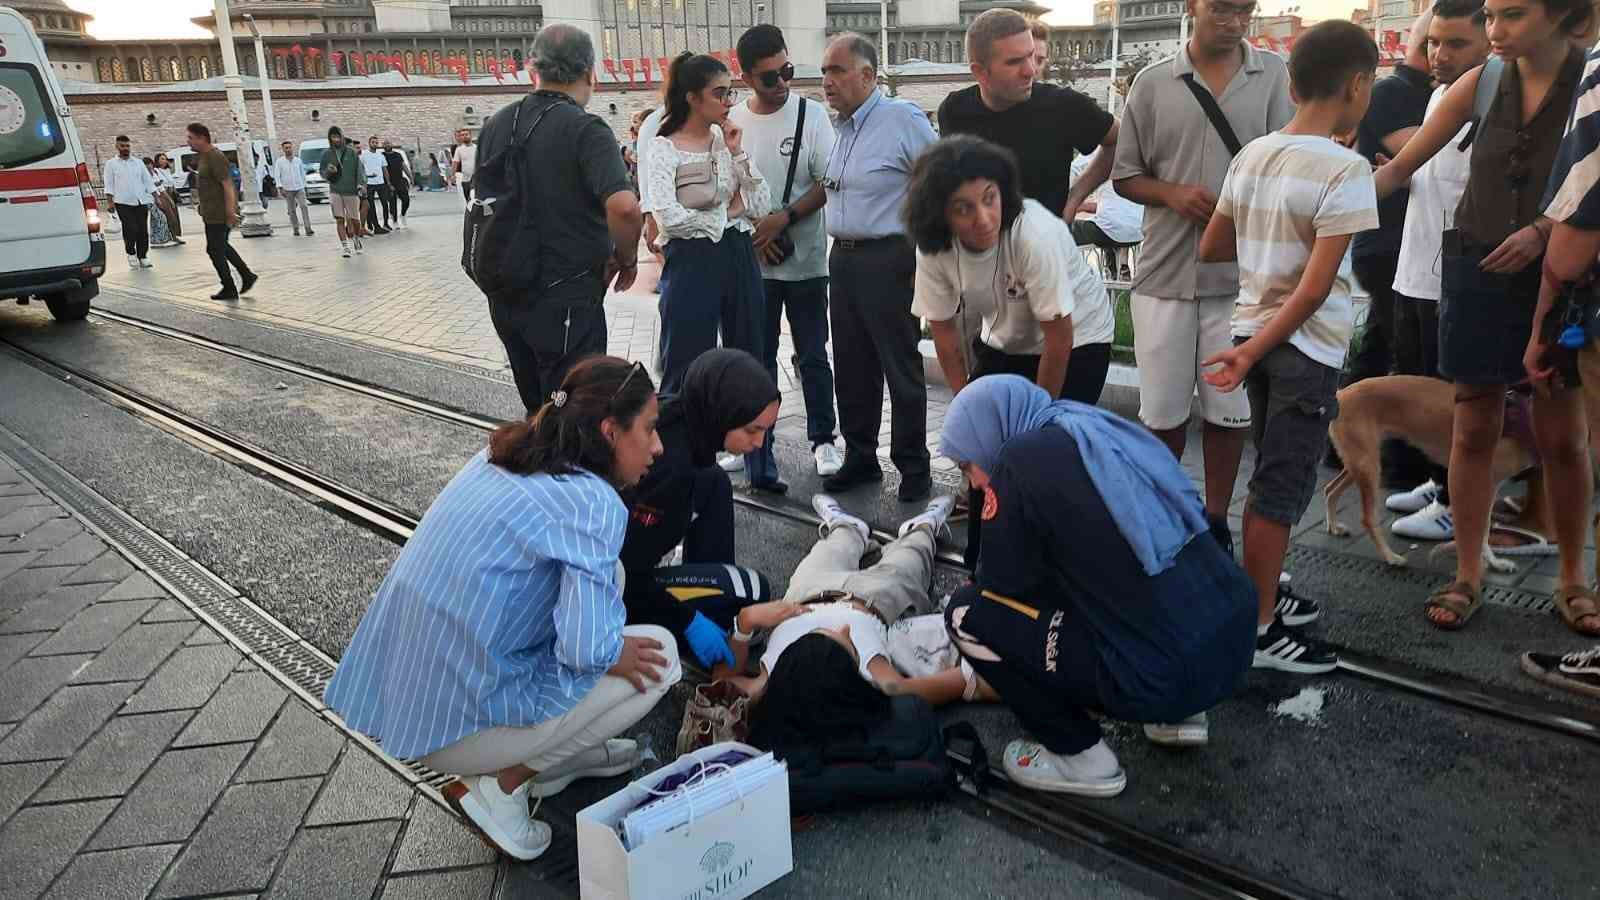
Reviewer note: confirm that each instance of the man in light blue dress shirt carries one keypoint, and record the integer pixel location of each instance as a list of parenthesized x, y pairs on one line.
[(871, 270)]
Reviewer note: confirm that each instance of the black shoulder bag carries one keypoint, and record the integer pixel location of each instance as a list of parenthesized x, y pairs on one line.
[(783, 242), (500, 242), (1214, 113)]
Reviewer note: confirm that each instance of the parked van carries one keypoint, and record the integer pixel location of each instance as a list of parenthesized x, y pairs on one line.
[(51, 245), (184, 159), (311, 150)]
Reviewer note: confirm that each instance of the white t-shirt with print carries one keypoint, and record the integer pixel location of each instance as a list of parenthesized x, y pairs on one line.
[(768, 139), (869, 635), (1283, 192), (1436, 190), (1036, 273)]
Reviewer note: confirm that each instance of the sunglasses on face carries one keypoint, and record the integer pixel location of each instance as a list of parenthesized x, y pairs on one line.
[(771, 79)]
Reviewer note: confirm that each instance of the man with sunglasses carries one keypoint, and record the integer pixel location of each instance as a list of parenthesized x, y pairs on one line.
[(790, 242)]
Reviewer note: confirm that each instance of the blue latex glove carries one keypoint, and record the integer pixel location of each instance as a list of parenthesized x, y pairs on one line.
[(707, 641)]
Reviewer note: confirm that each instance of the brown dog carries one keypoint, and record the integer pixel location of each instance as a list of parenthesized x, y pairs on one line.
[(1420, 411)]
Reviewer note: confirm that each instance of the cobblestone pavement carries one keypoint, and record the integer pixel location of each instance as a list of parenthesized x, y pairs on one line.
[(407, 294), (142, 756)]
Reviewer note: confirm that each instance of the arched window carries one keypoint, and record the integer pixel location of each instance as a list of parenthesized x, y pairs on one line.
[(147, 69), (949, 51), (411, 62), (892, 53), (102, 69), (438, 62), (175, 66), (516, 57), (117, 72)]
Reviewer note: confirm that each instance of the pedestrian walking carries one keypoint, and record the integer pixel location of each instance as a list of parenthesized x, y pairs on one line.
[(435, 181), (219, 210), (290, 174), (573, 172), (376, 168), (871, 271), (131, 190), (399, 172), (791, 152), (464, 163), (341, 168), (166, 199)]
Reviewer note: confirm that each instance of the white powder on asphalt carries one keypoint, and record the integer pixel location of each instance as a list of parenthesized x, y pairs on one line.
[(1305, 706)]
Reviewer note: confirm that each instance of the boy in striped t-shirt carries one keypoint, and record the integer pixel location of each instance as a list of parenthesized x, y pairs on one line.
[(1289, 207)]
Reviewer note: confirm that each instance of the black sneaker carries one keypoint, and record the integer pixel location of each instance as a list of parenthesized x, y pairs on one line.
[(852, 475), (1294, 610), (1579, 671), (249, 282), (227, 294), (1287, 650), (913, 490)]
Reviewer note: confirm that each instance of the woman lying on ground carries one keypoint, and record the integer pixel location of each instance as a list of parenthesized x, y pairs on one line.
[(495, 648), (728, 402), (1100, 586)]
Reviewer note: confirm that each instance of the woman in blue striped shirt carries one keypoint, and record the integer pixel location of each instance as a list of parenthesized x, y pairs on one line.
[(495, 648)]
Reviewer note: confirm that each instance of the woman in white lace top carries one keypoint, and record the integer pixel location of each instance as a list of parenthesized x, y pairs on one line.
[(705, 195)]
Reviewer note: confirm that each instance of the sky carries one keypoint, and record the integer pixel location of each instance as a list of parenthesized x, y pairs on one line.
[(115, 19)]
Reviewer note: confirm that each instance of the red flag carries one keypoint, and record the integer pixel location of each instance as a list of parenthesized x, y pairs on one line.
[(335, 58), (296, 50), (397, 62), (313, 52), (645, 64), (1391, 40), (665, 65), (733, 63), (359, 62), (493, 63), (611, 67), (627, 64), (279, 52)]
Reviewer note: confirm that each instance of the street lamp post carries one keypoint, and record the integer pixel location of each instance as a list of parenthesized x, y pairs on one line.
[(255, 217), (883, 33), (266, 87), (1116, 50)]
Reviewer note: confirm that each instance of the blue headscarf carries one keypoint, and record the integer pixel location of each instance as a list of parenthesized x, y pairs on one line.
[(1155, 505)]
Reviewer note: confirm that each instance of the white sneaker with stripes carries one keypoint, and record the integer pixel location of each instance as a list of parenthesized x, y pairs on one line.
[(1414, 499), (1431, 523), (833, 516)]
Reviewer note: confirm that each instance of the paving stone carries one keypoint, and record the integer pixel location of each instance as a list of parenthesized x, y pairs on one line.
[(18, 489), (137, 653), (187, 679), (28, 518), (63, 723), (436, 839), (361, 788), (51, 611), (172, 798), (136, 586), (39, 842), (461, 884), (298, 744), (11, 562), (94, 627), (169, 611), (238, 711), (14, 646), (9, 505), (107, 567), (238, 846), (31, 682), (81, 550), (111, 763), (47, 536), (18, 781), (23, 585), (342, 861), (114, 875), (202, 637)]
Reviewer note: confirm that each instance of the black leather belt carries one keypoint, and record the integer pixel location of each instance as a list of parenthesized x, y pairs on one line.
[(864, 243)]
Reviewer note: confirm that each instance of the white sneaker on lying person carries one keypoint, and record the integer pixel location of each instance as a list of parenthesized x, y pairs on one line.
[(932, 518), (614, 757), (503, 818), (1414, 499), (834, 516), (1433, 522), (1194, 731), (1094, 772), (730, 463)]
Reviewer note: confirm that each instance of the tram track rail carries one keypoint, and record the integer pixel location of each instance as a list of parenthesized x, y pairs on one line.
[(1074, 821)]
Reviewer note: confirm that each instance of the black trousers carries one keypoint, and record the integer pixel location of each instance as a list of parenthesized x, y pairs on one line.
[(546, 335), (135, 229), (378, 195), (1375, 356), (222, 254), (709, 289), (874, 344), (1416, 352), (400, 196)]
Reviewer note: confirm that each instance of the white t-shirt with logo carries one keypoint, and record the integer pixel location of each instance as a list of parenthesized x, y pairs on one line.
[(1436, 190), (768, 139), (1036, 273)]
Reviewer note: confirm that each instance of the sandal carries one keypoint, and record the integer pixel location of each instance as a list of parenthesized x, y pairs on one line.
[(1448, 598), (1575, 603)]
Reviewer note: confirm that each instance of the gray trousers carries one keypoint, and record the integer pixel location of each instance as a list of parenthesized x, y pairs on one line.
[(299, 212), (895, 584)]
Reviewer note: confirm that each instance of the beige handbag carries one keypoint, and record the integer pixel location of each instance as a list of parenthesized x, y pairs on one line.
[(696, 182), (717, 712)]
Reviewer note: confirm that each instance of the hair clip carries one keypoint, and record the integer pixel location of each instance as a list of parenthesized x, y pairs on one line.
[(559, 398)]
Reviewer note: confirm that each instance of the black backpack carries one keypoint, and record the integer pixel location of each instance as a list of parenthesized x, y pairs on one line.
[(901, 757), (500, 242)]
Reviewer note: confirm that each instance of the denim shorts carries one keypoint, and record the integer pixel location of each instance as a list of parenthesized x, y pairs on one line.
[(1292, 400), (1485, 318)]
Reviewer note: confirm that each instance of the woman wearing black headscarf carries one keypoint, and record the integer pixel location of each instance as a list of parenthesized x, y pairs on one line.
[(728, 403)]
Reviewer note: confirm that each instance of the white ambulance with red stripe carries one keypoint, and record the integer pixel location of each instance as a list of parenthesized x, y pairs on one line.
[(51, 245)]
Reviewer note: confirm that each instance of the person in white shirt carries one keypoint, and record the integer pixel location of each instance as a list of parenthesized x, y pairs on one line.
[(1113, 219), (376, 169), (1010, 266), (464, 162), (132, 191), (789, 241), (290, 174)]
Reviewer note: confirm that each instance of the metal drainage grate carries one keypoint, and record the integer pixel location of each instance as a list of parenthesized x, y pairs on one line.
[(1332, 563)]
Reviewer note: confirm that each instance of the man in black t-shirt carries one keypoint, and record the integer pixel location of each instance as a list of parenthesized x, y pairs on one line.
[(1043, 124)]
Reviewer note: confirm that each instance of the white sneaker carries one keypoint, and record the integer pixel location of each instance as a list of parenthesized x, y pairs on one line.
[(1415, 499), (1194, 731), (344, 250), (730, 463), (933, 518), (360, 249), (834, 516), (133, 262), (403, 222), (1093, 773), (614, 757), (829, 459), (502, 817), (1431, 523), (145, 264)]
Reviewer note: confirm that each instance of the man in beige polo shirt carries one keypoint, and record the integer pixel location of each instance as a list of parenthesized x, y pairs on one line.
[(1172, 159)]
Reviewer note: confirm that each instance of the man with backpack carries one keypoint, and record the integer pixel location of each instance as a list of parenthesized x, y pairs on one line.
[(556, 217)]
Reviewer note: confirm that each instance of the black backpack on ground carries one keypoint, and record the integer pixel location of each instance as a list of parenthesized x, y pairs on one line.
[(901, 757), (500, 241)]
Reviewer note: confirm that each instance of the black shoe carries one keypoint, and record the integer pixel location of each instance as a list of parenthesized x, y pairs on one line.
[(1287, 650), (248, 282), (309, 232), (853, 475), (226, 294), (1294, 610), (915, 489), (1221, 532), (775, 486), (1579, 671), (381, 231)]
